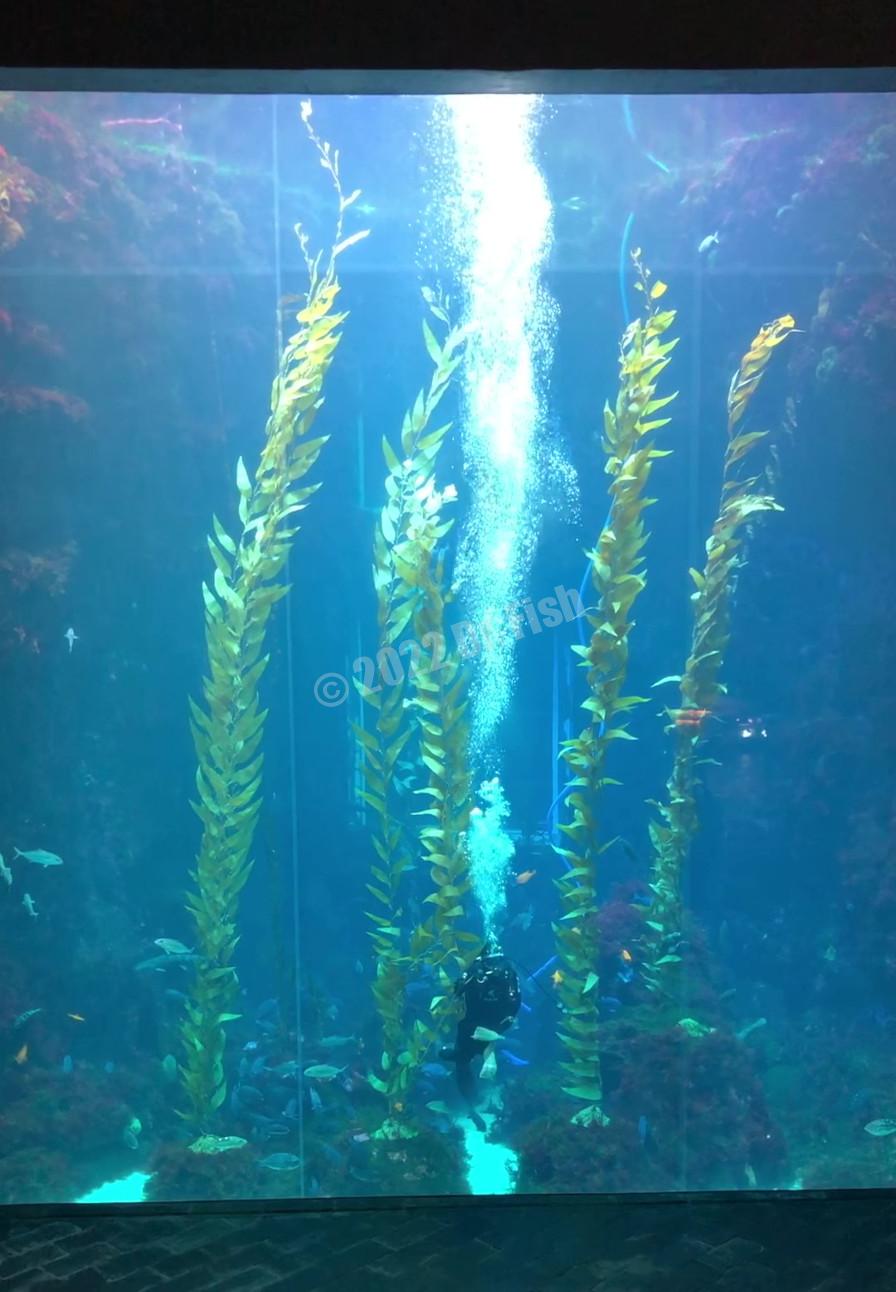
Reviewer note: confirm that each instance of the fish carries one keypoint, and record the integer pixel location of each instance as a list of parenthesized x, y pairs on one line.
[(643, 1129), (625, 956), (38, 857), (711, 240), (574, 204), (173, 958), (882, 1126), (525, 876), (5, 872), (77, 1018), (281, 1162), (67, 1065), (30, 905), (71, 637), (287, 1069), (249, 1096), (435, 1070), (514, 1059), (21, 1055), (169, 1067), (361, 1138), (641, 899), (557, 977), (751, 1027), (523, 920), (336, 1042), (23, 1018), (130, 1139), (289, 1112), (171, 993), (315, 1100), (267, 1008), (172, 947), (486, 1034), (323, 1071), (626, 974), (438, 1106)]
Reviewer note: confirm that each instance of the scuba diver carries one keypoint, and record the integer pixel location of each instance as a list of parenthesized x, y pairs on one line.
[(491, 995)]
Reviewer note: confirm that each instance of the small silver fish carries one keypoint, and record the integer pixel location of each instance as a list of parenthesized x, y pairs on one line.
[(5, 872), (281, 1162), (883, 1126), (316, 1102), (172, 947), (23, 1018), (711, 240), (39, 857), (71, 637), (30, 905), (335, 1042), (323, 1072)]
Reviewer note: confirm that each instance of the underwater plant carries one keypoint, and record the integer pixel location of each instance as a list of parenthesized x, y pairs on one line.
[(408, 578), (742, 498), (618, 579), (228, 731)]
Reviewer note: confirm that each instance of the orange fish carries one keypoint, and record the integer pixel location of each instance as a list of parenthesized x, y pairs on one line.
[(22, 1055), (690, 717), (79, 1018), (525, 876), (626, 956), (556, 977)]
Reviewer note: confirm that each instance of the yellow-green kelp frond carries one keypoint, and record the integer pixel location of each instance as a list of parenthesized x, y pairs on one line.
[(743, 497), (618, 579), (228, 728), (410, 529)]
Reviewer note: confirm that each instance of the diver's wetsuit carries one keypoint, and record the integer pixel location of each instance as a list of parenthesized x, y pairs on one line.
[(491, 994)]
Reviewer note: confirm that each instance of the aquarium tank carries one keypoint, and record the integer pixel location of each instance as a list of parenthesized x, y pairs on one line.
[(446, 615)]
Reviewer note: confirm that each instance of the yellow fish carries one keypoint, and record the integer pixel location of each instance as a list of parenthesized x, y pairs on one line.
[(525, 876), (22, 1055), (556, 977)]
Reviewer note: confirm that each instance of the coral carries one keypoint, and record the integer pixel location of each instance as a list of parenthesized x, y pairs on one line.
[(36, 399), (616, 563), (227, 734), (48, 570), (179, 1175)]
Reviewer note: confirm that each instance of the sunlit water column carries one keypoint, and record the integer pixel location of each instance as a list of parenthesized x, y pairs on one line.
[(500, 232)]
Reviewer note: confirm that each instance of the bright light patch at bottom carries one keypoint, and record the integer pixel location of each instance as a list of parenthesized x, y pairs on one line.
[(128, 1189), (491, 1167)]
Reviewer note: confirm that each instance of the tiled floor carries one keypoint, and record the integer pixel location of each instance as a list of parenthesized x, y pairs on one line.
[(794, 1244)]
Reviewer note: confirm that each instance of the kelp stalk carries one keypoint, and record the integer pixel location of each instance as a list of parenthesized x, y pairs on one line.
[(742, 498), (228, 730), (408, 578), (618, 579)]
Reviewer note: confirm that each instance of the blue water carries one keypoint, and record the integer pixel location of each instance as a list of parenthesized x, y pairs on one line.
[(149, 277)]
